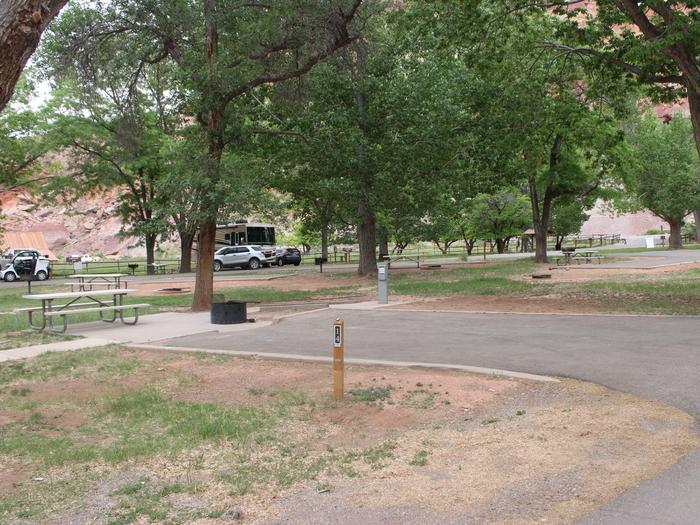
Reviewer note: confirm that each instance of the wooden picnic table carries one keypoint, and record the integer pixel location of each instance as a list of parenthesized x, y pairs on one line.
[(100, 301), (86, 280)]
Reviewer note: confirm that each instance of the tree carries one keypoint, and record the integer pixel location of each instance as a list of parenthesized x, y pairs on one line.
[(651, 42), (117, 152), (568, 217), (378, 125), (665, 176), (115, 127), (544, 120), (499, 216), (22, 23), (23, 139), (223, 51)]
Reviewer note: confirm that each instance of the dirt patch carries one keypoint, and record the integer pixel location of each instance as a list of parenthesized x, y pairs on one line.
[(574, 446), (12, 475), (298, 282), (584, 273)]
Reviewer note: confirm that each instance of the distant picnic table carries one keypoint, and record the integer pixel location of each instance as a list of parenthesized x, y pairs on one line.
[(586, 256), (396, 258), (86, 281)]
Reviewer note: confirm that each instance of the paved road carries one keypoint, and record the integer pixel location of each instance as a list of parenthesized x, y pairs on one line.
[(654, 357)]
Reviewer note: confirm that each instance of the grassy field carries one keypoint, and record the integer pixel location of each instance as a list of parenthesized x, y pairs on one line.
[(676, 293)]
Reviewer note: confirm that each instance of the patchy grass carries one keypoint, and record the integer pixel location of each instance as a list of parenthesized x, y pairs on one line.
[(420, 458), (124, 424), (371, 395), (99, 362), (420, 398), (488, 279), (119, 436), (674, 293), (30, 337)]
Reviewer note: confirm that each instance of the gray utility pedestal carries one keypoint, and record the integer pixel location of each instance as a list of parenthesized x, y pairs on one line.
[(383, 282)]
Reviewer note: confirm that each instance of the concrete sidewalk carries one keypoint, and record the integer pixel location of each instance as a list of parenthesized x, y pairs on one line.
[(150, 328), (63, 346)]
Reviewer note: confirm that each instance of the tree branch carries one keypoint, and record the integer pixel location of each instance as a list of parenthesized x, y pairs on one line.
[(584, 51), (341, 40)]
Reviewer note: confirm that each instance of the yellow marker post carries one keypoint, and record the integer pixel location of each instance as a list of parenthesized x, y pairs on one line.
[(338, 359)]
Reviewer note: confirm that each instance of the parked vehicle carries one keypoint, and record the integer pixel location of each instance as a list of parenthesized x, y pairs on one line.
[(268, 252), (28, 264), (287, 256), (245, 233), (239, 257)]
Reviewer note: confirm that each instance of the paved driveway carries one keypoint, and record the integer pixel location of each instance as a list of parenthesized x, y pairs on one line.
[(654, 357)]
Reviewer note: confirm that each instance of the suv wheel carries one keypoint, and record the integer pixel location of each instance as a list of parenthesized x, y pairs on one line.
[(280, 262), (41, 275), (254, 264), (217, 266), (10, 277)]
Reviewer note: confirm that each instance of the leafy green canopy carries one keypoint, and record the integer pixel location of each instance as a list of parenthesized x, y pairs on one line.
[(665, 174)]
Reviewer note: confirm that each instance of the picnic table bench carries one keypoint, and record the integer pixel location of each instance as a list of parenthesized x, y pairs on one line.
[(81, 302), (569, 257), (395, 258)]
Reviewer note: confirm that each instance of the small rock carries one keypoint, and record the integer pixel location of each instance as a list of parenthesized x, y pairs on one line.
[(37, 479), (233, 514)]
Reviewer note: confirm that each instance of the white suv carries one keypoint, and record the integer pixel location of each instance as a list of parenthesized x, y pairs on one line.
[(239, 256)]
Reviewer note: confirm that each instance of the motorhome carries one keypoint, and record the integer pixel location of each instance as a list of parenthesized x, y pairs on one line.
[(234, 234)]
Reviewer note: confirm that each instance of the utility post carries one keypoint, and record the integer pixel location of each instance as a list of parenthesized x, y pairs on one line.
[(338, 359), (383, 282)]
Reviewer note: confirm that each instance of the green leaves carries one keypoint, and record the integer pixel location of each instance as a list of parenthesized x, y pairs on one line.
[(665, 174)]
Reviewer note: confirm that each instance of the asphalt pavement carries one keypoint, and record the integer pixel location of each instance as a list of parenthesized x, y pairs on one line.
[(653, 357)]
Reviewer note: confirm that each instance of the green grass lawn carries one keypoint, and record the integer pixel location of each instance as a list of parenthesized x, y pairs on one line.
[(487, 279), (676, 293)]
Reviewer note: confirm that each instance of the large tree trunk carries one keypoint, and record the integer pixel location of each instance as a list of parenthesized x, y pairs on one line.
[(540, 220), (21, 24), (366, 237), (150, 253), (675, 242), (501, 245), (204, 278), (383, 242), (186, 241), (696, 214), (324, 241), (213, 123), (540, 215), (694, 109), (558, 242)]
